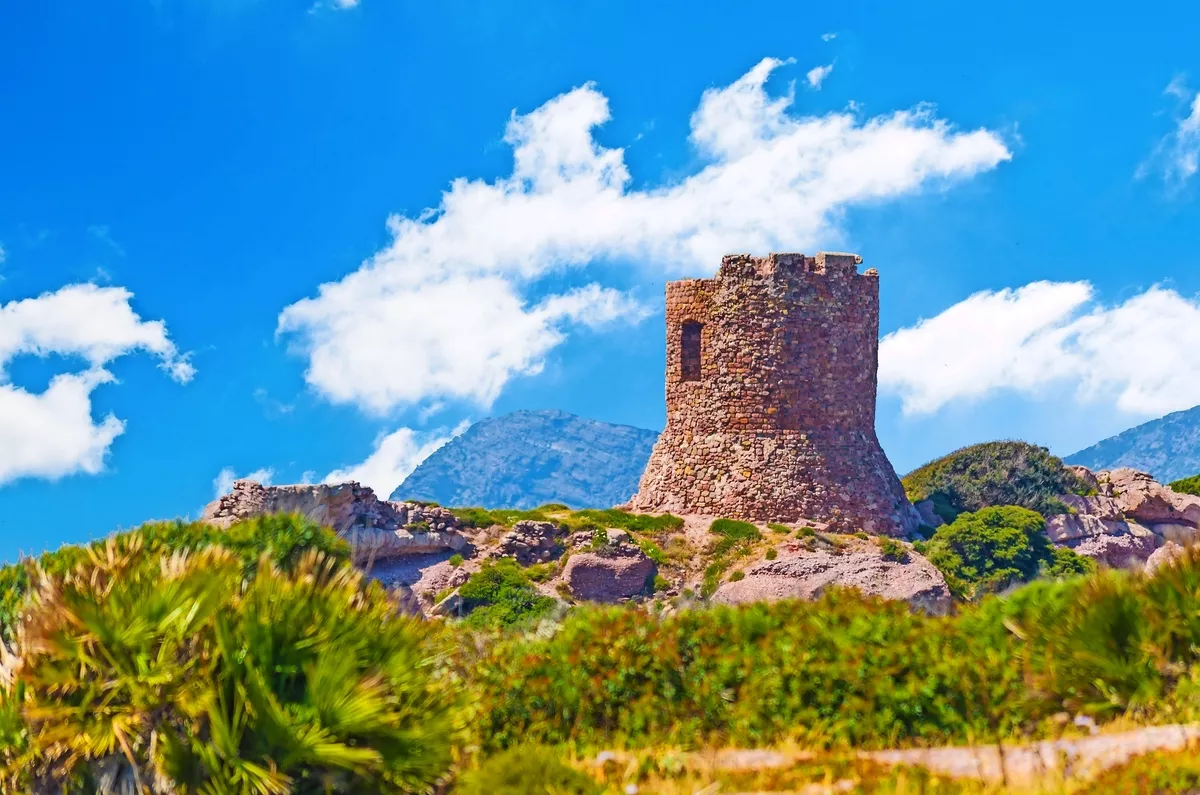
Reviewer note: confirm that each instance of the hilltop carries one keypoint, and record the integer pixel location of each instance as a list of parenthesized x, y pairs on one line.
[(530, 458)]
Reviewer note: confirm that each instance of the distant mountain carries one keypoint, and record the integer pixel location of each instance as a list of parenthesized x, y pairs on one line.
[(529, 458), (1167, 448)]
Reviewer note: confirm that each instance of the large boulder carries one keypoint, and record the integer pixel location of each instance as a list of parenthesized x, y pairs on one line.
[(800, 574), (609, 574), (375, 529), (1128, 550), (1142, 498), (1163, 556)]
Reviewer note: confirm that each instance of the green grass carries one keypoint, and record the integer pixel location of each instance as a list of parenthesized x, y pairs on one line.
[(575, 521), (991, 474), (775, 527)]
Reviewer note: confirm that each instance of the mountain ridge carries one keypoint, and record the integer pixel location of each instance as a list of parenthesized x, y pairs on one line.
[(1167, 448), (532, 457)]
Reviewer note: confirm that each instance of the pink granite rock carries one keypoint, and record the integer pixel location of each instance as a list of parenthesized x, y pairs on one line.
[(806, 575), (610, 574), (1163, 556), (1126, 551), (1141, 498), (375, 529)]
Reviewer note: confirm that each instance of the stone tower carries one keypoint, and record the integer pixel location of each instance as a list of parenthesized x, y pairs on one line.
[(771, 383)]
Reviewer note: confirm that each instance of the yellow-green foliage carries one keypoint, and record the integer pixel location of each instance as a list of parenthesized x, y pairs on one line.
[(282, 538), (995, 473), (1157, 774), (528, 770), (141, 667), (572, 520), (847, 671)]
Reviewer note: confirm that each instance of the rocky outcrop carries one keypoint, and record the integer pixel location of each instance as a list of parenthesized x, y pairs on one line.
[(1163, 556), (610, 574), (375, 529), (531, 542), (1130, 516), (801, 574)]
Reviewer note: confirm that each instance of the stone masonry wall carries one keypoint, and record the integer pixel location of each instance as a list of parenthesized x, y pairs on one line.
[(780, 424)]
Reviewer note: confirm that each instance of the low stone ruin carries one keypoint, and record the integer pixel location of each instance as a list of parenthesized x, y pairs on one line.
[(375, 529)]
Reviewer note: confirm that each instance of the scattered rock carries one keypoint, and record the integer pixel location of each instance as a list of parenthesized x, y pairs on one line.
[(451, 605), (375, 529), (530, 542), (806, 575), (609, 574)]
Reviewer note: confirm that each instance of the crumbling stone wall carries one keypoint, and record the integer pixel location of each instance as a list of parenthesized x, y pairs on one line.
[(779, 423)]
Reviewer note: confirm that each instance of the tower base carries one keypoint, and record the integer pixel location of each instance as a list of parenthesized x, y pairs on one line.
[(841, 478)]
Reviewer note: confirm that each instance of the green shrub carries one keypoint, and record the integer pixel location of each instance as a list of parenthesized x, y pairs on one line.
[(542, 572), (527, 770), (553, 507), (994, 474), (990, 549), (778, 528), (221, 684), (737, 576), (661, 583), (806, 532), (1187, 486), (502, 595), (772, 553), (860, 534), (893, 550), (1066, 562), (455, 560)]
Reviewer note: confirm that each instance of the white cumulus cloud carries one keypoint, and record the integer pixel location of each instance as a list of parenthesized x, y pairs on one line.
[(52, 433), (816, 76), (394, 458), (223, 482), (1177, 156), (1138, 354), (447, 309)]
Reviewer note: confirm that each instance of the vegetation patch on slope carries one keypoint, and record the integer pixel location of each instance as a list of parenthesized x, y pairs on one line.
[(1187, 486), (994, 473), (996, 547)]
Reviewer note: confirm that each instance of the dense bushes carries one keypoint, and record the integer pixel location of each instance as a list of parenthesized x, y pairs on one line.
[(501, 594), (140, 668), (846, 671), (1187, 486), (282, 538), (997, 547), (990, 549), (528, 770), (995, 473)]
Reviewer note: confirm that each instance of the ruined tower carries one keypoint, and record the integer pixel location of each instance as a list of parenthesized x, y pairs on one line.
[(771, 383)]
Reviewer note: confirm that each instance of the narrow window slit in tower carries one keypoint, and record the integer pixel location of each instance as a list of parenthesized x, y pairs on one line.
[(690, 350)]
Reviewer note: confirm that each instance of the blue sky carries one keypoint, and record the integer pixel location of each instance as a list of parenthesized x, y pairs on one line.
[(179, 178)]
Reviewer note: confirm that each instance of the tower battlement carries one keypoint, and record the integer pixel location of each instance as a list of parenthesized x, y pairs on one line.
[(771, 387)]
